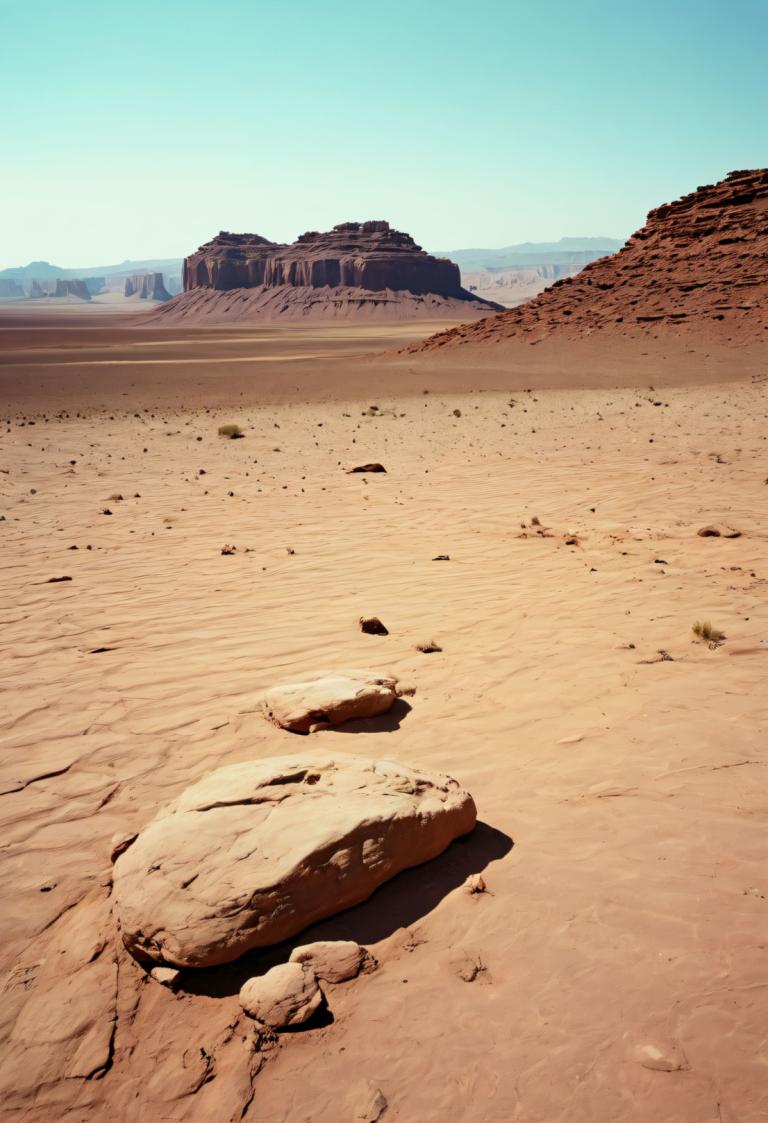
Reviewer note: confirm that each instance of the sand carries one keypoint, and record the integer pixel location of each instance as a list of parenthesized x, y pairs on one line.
[(614, 971)]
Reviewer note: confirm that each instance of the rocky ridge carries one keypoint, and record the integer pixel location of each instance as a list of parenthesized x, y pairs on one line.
[(698, 264)]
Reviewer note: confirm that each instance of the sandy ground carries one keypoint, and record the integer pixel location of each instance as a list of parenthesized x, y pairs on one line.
[(615, 971)]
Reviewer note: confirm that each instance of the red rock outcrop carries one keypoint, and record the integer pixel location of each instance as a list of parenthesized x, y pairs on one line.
[(699, 264), (356, 270), (229, 261)]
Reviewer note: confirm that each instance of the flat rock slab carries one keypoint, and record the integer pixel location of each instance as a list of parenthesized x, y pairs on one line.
[(329, 700), (255, 852)]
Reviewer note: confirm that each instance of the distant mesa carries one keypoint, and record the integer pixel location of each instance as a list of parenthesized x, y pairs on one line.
[(146, 286), (10, 289), (699, 265), (358, 270), (60, 288)]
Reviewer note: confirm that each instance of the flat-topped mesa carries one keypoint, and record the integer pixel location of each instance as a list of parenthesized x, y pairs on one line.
[(700, 264), (359, 271), (363, 255)]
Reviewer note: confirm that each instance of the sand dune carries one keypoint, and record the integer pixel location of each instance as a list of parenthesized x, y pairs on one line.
[(614, 970)]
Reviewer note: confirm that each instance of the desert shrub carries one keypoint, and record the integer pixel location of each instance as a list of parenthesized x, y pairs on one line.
[(702, 629)]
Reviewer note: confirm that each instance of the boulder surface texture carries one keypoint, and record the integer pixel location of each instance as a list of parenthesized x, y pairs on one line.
[(285, 996), (255, 852), (329, 700), (334, 961)]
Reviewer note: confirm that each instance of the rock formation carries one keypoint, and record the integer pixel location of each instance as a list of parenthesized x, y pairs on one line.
[(699, 264), (333, 961), (10, 289), (72, 287), (358, 269), (329, 700), (146, 286), (60, 288), (286, 995), (255, 852)]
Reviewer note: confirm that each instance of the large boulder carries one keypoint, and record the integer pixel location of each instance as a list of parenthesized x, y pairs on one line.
[(255, 852), (329, 700)]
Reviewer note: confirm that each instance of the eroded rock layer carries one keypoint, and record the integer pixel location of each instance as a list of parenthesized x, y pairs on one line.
[(699, 264), (357, 270)]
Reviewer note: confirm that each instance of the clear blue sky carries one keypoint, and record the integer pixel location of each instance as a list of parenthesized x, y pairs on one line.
[(140, 128)]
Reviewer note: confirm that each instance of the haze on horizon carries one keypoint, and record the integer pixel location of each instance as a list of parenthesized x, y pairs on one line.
[(139, 131)]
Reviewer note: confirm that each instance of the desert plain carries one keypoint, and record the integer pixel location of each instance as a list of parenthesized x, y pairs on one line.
[(613, 969)]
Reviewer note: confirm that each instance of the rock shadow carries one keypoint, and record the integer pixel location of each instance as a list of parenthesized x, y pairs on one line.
[(397, 904), (382, 723)]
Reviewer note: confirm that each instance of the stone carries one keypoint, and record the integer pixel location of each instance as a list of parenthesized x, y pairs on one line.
[(255, 852), (329, 700), (333, 961), (166, 976), (667, 1057), (718, 530), (373, 1104), (287, 995), (372, 626), (374, 467)]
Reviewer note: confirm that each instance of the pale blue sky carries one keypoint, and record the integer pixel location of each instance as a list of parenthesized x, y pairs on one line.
[(140, 128)]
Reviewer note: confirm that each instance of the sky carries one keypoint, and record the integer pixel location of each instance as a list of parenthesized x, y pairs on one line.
[(140, 129)]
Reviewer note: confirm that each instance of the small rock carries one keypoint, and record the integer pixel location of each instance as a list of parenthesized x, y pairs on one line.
[(662, 1058), (373, 1104), (718, 530), (428, 648), (55, 580), (374, 467), (441, 557), (334, 961), (166, 976), (330, 699), (372, 626), (475, 883), (286, 996)]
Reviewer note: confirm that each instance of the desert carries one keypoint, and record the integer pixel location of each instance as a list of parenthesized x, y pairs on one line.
[(383, 709), (615, 758)]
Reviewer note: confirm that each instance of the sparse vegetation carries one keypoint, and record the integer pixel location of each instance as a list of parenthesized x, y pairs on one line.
[(702, 629), (233, 432)]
